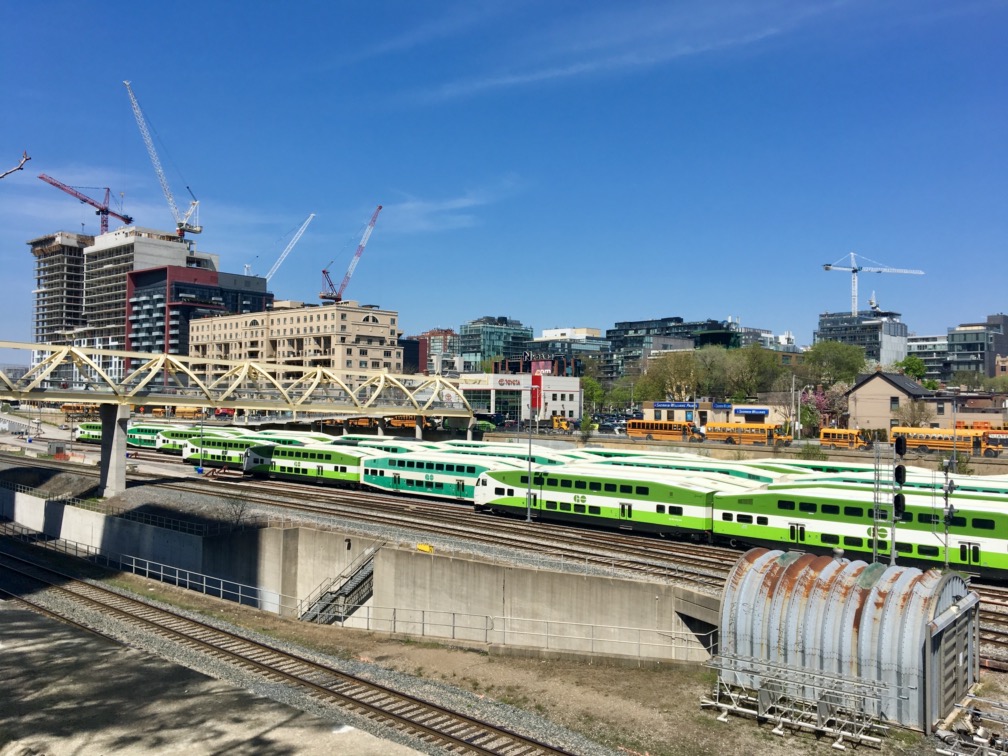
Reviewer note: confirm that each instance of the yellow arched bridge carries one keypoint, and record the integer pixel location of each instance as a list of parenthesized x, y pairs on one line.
[(118, 381)]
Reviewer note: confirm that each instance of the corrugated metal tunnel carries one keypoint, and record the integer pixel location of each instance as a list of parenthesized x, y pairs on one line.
[(899, 642)]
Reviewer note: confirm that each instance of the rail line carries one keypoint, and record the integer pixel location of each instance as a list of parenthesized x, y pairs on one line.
[(426, 721)]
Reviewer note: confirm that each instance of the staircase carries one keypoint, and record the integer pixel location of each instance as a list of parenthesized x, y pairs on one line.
[(340, 597)]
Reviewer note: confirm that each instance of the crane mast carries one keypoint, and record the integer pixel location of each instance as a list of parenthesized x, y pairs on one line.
[(102, 208), (336, 295), (287, 251), (854, 268), (181, 221)]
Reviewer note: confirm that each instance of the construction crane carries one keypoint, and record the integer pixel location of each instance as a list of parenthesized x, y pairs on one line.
[(331, 292), (856, 268), (18, 167), (181, 221), (287, 251), (102, 207)]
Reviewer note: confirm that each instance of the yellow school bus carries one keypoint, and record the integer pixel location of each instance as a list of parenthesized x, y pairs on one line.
[(842, 438), (970, 441), (747, 434)]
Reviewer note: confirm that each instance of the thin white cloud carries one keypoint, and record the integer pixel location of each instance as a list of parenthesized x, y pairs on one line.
[(417, 215)]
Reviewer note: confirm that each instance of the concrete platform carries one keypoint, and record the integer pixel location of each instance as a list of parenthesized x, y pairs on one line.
[(66, 691)]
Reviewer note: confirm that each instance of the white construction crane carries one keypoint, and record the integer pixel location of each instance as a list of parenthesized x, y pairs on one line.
[(181, 221), (287, 251), (855, 268)]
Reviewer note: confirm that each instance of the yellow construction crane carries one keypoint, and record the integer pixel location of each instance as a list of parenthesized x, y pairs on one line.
[(855, 268)]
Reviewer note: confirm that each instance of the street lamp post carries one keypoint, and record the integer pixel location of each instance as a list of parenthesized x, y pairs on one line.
[(528, 490)]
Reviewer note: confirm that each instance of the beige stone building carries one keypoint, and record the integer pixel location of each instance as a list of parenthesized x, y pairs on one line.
[(353, 340)]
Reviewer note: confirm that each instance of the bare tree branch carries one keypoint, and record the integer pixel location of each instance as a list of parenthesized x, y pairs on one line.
[(24, 159)]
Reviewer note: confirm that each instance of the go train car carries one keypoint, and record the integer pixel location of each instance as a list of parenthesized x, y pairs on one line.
[(88, 433), (221, 451), (323, 464), (172, 440), (665, 502), (144, 435), (432, 474), (971, 533)]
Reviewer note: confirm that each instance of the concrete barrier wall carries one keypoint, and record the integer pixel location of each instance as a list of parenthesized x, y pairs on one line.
[(549, 611)]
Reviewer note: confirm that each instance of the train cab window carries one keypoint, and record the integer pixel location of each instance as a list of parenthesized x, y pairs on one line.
[(727, 516), (551, 505), (624, 488), (579, 508), (853, 541), (611, 487), (565, 483), (659, 509), (510, 492), (830, 538), (565, 506), (853, 512), (594, 485), (593, 510), (675, 511), (929, 551), (982, 523), (807, 506), (927, 518), (745, 519), (642, 490), (785, 504), (498, 491), (904, 548), (580, 485), (830, 509)]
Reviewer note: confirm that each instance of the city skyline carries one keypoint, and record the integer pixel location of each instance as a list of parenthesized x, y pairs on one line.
[(569, 165)]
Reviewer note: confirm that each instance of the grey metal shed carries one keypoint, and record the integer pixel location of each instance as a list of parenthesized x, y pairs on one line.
[(820, 639)]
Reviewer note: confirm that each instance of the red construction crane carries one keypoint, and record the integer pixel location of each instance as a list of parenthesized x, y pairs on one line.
[(102, 207), (334, 294)]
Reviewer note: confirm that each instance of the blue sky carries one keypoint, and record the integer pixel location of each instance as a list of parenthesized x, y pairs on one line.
[(562, 163)]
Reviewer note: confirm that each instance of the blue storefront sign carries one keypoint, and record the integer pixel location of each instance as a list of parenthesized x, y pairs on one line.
[(721, 405), (751, 411)]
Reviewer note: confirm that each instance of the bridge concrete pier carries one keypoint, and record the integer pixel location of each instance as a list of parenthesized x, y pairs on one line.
[(112, 477)]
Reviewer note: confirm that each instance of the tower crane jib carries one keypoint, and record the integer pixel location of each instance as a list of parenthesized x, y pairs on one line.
[(287, 250), (181, 221), (854, 268), (331, 292)]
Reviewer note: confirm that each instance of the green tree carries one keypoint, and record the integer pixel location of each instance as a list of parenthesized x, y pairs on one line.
[(971, 379), (712, 371), (594, 394), (913, 366), (830, 361)]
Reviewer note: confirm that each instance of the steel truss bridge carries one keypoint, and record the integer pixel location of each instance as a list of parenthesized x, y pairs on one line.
[(61, 375), (68, 374)]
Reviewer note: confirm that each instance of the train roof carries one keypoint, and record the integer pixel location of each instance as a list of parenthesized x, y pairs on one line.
[(433, 455), (707, 482)]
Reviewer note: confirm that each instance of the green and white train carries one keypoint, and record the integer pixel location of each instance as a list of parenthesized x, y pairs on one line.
[(431, 474), (327, 464)]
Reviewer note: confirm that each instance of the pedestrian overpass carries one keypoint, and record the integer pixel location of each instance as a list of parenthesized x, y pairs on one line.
[(119, 382)]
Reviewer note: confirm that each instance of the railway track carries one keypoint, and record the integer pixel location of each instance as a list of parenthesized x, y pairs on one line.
[(426, 721)]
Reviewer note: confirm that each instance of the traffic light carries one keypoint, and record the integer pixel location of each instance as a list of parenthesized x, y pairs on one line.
[(901, 445), (899, 474), (899, 505)]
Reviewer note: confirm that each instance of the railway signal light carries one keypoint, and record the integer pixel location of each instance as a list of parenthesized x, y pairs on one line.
[(901, 445), (899, 505), (899, 474)]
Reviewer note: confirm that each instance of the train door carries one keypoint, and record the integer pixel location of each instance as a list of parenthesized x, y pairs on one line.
[(969, 553), (318, 471), (796, 532), (460, 488), (396, 480), (626, 516)]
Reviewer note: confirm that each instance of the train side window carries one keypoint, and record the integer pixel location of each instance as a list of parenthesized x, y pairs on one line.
[(927, 518), (579, 508), (642, 490), (564, 506), (982, 523), (565, 483), (672, 510), (624, 488), (551, 505), (882, 545), (594, 485), (785, 504), (746, 519), (830, 509), (523, 480), (830, 538), (762, 520), (580, 485), (904, 548), (551, 482), (854, 512), (410, 464), (498, 491), (807, 506), (659, 509), (853, 541), (958, 522), (439, 467), (611, 487), (593, 510), (471, 469), (727, 516), (930, 551)]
